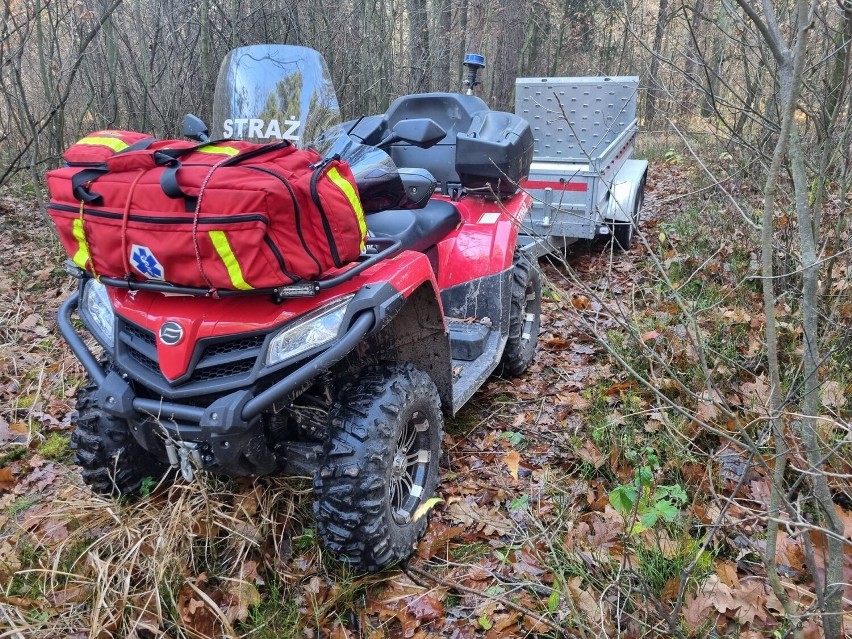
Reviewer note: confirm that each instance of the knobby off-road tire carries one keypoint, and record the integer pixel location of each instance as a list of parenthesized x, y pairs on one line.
[(380, 465), (524, 319), (112, 462)]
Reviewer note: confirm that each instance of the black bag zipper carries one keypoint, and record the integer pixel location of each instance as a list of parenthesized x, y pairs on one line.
[(320, 167), (175, 220), (150, 219), (296, 210)]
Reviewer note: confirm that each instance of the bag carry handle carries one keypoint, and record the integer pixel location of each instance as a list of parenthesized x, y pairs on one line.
[(169, 182), (160, 157), (81, 178)]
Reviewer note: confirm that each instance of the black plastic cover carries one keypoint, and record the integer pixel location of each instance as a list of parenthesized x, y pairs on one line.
[(497, 150), (419, 186), (421, 132), (379, 184), (467, 340), (481, 146)]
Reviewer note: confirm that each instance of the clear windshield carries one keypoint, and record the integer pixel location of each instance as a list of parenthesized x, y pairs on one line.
[(274, 92), (266, 93)]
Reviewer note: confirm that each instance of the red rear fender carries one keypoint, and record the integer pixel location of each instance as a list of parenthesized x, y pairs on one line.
[(485, 243)]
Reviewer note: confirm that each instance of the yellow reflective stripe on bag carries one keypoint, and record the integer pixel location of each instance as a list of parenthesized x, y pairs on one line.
[(81, 257), (352, 196), (219, 150), (223, 248), (114, 143)]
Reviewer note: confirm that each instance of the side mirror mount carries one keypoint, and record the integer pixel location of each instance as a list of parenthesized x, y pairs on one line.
[(419, 186), (421, 132), (195, 129)]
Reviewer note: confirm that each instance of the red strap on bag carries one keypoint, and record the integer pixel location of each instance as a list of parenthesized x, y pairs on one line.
[(124, 220), (197, 248)]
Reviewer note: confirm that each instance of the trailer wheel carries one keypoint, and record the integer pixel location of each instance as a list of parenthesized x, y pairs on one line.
[(623, 232), (524, 319), (380, 465), (112, 462)]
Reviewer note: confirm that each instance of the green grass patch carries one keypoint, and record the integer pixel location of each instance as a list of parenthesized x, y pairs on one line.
[(464, 422), (57, 447), (277, 615), (657, 566), (13, 455), (26, 401), (21, 504), (467, 553)]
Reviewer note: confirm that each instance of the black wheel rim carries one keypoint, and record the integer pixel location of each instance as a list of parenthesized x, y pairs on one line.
[(410, 468), (529, 313)]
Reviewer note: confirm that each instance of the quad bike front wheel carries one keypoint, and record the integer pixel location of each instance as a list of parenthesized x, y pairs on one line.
[(112, 462), (524, 319), (380, 466)]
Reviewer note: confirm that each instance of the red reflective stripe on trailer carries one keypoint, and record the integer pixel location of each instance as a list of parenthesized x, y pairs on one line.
[(556, 186)]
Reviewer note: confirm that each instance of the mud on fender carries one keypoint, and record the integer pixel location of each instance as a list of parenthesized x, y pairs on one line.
[(382, 299)]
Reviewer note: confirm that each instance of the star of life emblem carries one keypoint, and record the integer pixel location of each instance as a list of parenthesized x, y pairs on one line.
[(144, 261)]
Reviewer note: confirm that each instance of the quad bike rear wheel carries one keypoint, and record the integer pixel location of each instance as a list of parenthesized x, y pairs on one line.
[(112, 462), (380, 466), (524, 319)]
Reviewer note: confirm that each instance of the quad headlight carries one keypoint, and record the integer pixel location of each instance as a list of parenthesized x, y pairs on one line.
[(314, 329), (97, 313)]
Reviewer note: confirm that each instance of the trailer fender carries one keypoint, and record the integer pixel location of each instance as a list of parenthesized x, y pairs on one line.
[(624, 189)]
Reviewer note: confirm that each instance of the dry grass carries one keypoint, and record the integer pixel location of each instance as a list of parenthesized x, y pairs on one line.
[(185, 562)]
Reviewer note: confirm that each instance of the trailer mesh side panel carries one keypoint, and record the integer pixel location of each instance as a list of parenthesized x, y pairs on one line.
[(576, 119)]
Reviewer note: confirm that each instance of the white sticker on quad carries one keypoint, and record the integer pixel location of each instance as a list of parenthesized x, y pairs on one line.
[(489, 218), (143, 260)]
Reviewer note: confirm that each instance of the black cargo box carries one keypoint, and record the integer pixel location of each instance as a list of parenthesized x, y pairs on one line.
[(497, 151), (482, 147)]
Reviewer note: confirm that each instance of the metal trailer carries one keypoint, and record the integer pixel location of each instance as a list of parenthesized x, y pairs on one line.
[(583, 180)]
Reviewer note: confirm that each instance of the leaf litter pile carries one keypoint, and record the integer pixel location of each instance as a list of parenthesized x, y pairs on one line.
[(604, 493)]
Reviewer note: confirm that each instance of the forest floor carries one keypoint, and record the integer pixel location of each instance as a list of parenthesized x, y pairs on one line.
[(575, 501)]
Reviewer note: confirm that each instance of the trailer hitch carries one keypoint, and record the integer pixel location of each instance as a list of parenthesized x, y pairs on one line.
[(184, 455)]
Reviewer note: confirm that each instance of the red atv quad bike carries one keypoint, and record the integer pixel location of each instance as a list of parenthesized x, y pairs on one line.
[(345, 379)]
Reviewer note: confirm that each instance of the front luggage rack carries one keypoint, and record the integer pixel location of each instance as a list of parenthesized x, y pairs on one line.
[(382, 249)]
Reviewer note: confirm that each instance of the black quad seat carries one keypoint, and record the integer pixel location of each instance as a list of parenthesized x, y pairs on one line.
[(419, 229), (483, 149)]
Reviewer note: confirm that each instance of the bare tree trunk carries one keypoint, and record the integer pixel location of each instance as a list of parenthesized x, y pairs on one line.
[(560, 40), (475, 27), (791, 64), (814, 449), (714, 71), (418, 46), (513, 16), (655, 89), (461, 35), (442, 51), (690, 80), (206, 62)]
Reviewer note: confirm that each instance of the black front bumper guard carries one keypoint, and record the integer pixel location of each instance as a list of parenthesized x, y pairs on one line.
[(231, 421)]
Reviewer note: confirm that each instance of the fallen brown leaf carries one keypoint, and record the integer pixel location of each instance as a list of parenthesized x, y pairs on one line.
[(7, 479), (512, 461)]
